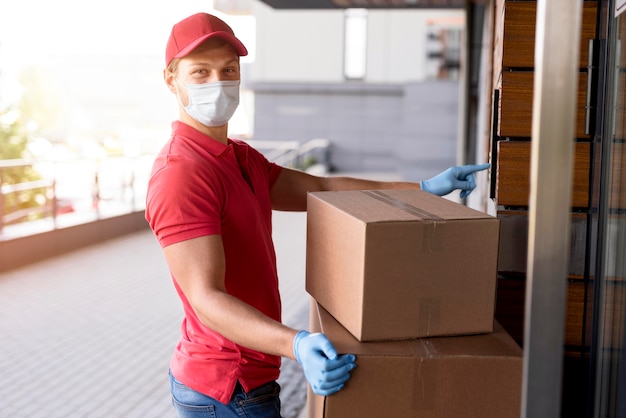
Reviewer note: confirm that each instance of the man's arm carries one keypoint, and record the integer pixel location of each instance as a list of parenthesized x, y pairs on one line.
[(198, 266), (290, 190), (291, 187)]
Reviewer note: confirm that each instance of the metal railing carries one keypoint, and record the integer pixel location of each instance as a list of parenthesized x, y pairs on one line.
[(79, 190), (70, 191), (313, 153), (11, 213)]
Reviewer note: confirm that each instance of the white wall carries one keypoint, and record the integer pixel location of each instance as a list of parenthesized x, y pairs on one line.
[(397, 44), (307, 46), (396, 120), (298, 46)]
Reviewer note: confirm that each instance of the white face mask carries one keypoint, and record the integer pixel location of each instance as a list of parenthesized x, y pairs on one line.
[(212, 104)]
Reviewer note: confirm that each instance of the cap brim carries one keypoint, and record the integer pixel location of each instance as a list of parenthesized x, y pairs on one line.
[(239, 48)]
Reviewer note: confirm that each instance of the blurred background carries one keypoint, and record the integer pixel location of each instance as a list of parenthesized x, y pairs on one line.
[(88, 316), (83, 105)]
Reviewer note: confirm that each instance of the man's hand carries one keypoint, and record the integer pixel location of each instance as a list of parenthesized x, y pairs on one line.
[(324, 369), (453, 178)]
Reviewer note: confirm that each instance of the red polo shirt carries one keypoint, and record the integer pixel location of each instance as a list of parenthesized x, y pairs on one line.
[(200, 187)]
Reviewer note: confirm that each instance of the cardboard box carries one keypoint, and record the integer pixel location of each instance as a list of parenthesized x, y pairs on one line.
[(401, 264), (444, 377)]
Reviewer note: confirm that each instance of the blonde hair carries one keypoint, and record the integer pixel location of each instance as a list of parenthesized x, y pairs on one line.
[(173, 66)]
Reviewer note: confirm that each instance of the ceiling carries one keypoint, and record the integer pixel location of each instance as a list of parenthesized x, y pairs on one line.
[(367, 4)]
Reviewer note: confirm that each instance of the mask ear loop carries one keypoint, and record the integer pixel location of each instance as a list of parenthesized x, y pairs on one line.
[(178, 94)]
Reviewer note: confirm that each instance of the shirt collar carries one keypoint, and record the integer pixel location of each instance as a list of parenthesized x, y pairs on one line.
[(206, 142)]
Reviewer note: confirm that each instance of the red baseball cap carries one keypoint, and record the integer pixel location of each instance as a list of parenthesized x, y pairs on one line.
[(190, 32)]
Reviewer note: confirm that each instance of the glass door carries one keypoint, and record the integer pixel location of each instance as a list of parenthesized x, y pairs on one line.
[(609, 347)]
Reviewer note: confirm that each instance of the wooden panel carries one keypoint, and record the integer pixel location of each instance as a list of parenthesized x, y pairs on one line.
[(513, 247), (615, 301), (510, 302), (618, 176), (622, 52), (516, 104), (518, 43), (513, 174), (620, 102), (575, 332), (510, 299), (498, 33)]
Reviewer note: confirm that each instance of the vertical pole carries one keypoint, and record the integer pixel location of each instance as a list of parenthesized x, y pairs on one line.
[(2, 199), (554, 114), (55, 203)]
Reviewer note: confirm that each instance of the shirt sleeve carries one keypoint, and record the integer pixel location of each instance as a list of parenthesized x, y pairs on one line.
[(272, 170), (181, 204)]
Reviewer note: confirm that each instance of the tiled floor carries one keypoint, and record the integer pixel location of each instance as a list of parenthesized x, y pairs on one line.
[(90, 334)]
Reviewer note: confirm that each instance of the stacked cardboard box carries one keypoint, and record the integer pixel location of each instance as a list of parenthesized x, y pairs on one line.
[(406, 281)]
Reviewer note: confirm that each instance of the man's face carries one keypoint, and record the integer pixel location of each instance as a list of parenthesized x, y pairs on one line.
[(214, 60)]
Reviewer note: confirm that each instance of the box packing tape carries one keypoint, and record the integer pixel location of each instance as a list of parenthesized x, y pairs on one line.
[(434, 226)]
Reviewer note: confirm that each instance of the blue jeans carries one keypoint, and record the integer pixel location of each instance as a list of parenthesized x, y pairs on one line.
[(262, 402)]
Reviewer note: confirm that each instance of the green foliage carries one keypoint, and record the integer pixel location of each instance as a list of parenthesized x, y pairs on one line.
[(38, 113), (13, 145), (13, 135), (306, 163), (41, 103)]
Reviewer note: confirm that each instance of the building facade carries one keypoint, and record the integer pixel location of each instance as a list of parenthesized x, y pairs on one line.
[(370, 82)]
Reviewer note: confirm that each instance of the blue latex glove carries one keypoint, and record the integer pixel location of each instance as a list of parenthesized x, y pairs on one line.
[(453, 178), (324, 369)]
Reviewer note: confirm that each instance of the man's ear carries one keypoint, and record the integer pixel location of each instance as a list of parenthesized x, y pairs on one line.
[(168, 76)]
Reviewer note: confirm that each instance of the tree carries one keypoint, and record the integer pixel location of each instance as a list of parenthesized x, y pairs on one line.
[(38, 112), (13, 145), (41, 103)]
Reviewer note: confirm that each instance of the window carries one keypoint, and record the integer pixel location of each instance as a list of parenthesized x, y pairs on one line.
[(355, 44), (443, 51)]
